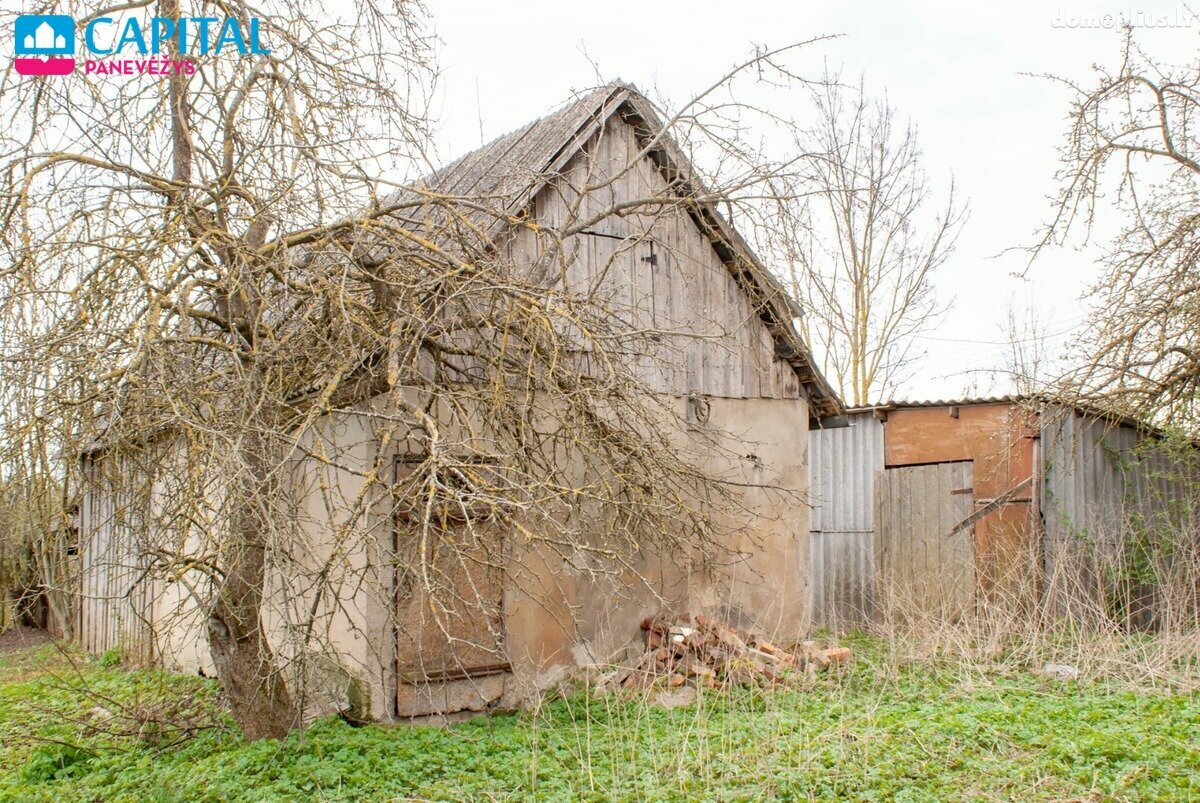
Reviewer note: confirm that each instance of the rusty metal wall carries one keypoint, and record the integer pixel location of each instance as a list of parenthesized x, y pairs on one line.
[(842, 467)]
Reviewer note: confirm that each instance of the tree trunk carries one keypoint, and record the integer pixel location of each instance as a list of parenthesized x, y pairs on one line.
[(255, 686)]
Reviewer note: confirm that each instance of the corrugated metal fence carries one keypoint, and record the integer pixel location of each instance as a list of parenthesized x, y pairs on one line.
[(842, 467)]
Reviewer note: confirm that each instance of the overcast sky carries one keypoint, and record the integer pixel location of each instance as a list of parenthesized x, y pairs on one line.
[(960, 70)]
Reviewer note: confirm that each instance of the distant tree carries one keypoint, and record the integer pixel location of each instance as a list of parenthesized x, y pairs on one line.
[(1028, 361), (865, 236)]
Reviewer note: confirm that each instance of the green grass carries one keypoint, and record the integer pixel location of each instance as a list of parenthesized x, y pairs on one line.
[(924, 731)]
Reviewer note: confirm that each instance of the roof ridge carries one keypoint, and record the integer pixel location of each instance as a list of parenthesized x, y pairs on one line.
[(571, 103)]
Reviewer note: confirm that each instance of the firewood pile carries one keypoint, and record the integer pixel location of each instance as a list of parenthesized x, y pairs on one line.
[(700, 651)]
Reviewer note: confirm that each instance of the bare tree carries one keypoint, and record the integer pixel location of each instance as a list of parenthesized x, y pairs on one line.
[(863, 245), (1132, 152), (200, 286), (148, 260), (1028, 363)]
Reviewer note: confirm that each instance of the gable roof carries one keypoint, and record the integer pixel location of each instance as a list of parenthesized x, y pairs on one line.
[(518, 165), (513, 168)]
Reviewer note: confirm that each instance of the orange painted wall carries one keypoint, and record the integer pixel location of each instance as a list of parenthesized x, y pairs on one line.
[(998, 439)]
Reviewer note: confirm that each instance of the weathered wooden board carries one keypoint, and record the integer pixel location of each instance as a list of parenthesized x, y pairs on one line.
[(450, 643), (920, 567), (115, 603), (659, 273), (452, 637), (458, 627)]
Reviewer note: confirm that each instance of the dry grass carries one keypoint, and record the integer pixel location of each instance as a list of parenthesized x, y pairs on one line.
[(1117, 616)]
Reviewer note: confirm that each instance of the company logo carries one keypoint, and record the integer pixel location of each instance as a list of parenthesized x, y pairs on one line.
[(45, 44)]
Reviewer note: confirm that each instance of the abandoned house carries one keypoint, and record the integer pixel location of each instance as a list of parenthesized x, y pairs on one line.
[(943, 506), (741, 371)]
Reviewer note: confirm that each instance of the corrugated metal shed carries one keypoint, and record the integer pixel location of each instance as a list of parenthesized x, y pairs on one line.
[(1102, 479), (842, 470)]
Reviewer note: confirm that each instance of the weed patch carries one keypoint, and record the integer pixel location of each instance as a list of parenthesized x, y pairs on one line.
[(877, 730)]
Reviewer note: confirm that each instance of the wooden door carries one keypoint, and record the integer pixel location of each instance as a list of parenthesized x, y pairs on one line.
[(450, 606), (450, 652), (924, 567)]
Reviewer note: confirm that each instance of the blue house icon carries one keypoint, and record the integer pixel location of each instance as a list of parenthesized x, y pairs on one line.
[(44, 35)]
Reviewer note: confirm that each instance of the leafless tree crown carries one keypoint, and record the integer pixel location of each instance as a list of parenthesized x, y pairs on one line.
[(864, 245), (1132, 150), (209, 288)]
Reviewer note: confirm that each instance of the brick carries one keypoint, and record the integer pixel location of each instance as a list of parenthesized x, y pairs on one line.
[(764, 657), (837, 655)]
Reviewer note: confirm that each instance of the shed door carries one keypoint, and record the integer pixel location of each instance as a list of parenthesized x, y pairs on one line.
[(450, 649), (921, 568), (449, 616), (455, 627)]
